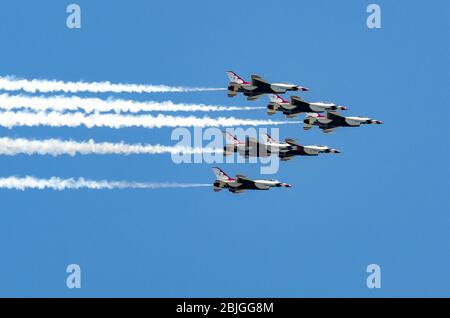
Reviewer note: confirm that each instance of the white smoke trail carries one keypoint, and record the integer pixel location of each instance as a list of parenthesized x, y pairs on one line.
[(59, 184), (10, 83), (89, 105), (56, 147), (54, 119)]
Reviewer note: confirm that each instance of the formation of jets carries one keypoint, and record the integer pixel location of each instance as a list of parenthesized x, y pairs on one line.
[(321, 114)]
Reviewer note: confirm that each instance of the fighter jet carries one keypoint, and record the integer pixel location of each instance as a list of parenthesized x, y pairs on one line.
[(333, 120), (257, 87), (290, 148), (297, 106), (242, 183), (269, 146)]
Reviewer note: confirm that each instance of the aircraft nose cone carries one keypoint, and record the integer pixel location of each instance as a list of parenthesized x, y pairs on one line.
[(378, 122), (336, 151), (304, 89)]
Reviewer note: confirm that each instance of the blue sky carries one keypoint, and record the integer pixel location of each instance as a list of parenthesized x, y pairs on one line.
[(384, 200)]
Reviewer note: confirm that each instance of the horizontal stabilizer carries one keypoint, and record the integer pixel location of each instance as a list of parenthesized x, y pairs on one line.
[(307, 125), (219, 185), (271, 112)]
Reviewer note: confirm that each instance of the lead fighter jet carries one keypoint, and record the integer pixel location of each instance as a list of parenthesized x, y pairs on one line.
[(242, 183), (333, 120), (268, 146), (257, 87), (297, 106)]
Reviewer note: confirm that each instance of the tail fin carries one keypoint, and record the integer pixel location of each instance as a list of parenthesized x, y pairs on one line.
[(221, 175), (307, 125), (277, 99), (234, 78), (231, 139), (276, 104), (267, 139), (219, 185)]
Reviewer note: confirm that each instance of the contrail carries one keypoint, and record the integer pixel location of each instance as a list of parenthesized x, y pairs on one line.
[(10, 83), (56, 147), (90, 105), (59, 184), (55, 119)]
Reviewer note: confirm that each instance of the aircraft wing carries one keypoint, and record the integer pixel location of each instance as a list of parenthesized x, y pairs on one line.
[(261, 186), (296, 99), (287, 106), (232, 93), (292, 142), (244, 180), (259, 81), (333, 114)]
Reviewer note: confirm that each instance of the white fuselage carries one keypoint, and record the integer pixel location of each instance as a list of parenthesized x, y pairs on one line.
[(285, 147), (356, 121), (266, 183), (260, 184), (282, 87), (314, 149), (321, 106)]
